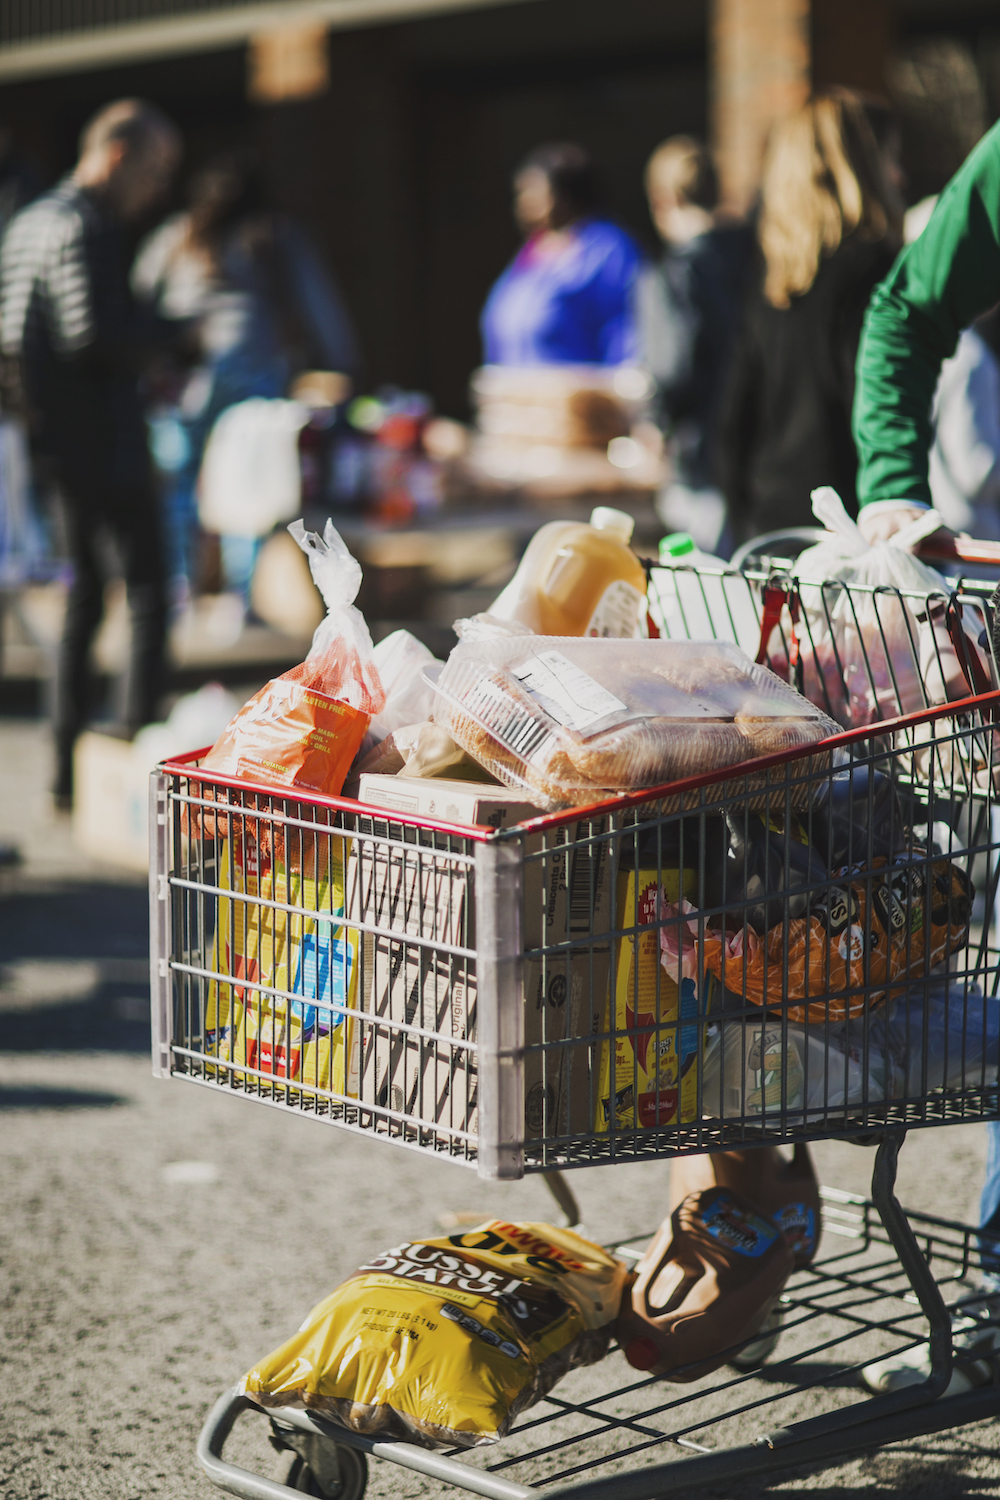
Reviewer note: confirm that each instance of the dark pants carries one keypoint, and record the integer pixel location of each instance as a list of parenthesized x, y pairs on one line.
[(131, 516)]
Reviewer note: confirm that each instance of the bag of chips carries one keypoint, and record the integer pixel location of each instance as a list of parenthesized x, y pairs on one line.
[(894, 921), (302, 730), (442, 1342)]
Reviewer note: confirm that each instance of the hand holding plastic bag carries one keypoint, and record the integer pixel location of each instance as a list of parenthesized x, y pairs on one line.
[(880, 647)]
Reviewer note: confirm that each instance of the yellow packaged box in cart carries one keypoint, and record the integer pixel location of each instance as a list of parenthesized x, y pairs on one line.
[(289, 967), (652, 1079)]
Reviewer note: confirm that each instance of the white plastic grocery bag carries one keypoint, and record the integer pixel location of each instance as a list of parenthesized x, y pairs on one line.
[(879, 647)]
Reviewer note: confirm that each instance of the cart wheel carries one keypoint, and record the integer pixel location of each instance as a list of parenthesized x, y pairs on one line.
[(341, 1473)]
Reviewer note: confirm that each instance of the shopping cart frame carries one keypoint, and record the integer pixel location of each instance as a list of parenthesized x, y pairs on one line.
[(918, 1410), (833, 1437)]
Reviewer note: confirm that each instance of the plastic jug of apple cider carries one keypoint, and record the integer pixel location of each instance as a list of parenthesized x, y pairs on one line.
[(579, 579), (706, 1284), (786, 1189)]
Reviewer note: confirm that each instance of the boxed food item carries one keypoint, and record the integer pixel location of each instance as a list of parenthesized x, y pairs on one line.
[(286, 980), (413, 891), (570, 721), (648, 1067)]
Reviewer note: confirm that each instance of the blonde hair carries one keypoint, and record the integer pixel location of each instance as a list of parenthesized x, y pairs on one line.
[(683, 169), (823, 179)]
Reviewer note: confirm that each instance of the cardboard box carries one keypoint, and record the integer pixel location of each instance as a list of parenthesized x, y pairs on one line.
[(450, 801), (111, 801), (565, 993), (417, 893)]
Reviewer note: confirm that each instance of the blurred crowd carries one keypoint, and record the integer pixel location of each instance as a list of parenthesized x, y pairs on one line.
[(186, 397)]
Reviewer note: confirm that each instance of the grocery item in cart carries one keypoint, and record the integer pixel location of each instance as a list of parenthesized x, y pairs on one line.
[(442, 1342), (694, 596), (855, 815), (940, 1033), (302, 730), (285, 969), (943, 1033), (400, 659), (648, 1074), (767, 1069), (424, 750), (573, 720), (579, 579), (894, 921), (706, 1284), (769, 867), (786, 1188), (877, 639)]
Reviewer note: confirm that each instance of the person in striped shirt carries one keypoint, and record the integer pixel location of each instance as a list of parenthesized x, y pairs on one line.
[(77, 342)]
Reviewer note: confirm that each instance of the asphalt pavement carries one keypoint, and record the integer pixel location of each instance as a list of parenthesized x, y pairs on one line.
[(157, 1238)]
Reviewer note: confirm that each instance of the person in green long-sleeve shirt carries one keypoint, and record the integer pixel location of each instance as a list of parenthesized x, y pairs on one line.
[(938, 286)]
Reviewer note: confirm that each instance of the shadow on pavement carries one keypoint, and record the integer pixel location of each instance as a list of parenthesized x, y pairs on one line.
[(95, 922), (95, 1024), (85, 920), (44, 1098)]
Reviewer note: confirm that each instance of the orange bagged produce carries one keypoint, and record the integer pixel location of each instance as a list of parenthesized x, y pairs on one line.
[(893, 921), (302, 730)]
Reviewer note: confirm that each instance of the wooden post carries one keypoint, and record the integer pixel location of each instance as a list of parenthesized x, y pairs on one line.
[(760, 70)]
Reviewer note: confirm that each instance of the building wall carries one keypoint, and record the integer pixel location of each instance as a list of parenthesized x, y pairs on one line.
[(402, 169)]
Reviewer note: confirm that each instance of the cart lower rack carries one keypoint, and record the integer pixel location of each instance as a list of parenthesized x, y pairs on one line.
[(607, 1433)]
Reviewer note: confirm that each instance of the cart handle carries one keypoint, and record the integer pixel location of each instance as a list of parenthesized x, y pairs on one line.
[(942, 547)]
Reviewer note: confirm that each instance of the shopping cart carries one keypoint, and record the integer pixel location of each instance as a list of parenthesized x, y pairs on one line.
[(655, 975)]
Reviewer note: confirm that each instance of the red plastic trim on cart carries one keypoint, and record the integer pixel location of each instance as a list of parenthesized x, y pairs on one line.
[(986, 703), (181, 765)]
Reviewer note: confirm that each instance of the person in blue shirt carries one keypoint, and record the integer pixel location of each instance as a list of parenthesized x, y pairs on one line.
[(566, 297)]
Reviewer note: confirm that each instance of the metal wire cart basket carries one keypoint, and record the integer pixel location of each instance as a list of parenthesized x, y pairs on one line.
[(797, 948)]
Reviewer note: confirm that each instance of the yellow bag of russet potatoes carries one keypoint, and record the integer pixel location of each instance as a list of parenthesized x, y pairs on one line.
[(305, 952), (442, 1342)]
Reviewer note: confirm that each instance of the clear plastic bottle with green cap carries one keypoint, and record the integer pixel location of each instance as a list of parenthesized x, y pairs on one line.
[(696, 597), (579, 578)]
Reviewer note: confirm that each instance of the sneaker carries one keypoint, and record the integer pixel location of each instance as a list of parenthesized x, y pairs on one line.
[(975, 1329), (752, 1356)]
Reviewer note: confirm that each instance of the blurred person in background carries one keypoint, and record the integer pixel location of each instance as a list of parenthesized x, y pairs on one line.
[(688, 310), (76, 341), (264, 308), (566, 297), (23, 540), (19, 182), (942, 283), (964, 461), (830, 225)]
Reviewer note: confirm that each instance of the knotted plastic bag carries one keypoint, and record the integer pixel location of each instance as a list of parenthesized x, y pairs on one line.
[(302, 730), (880, 646)]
